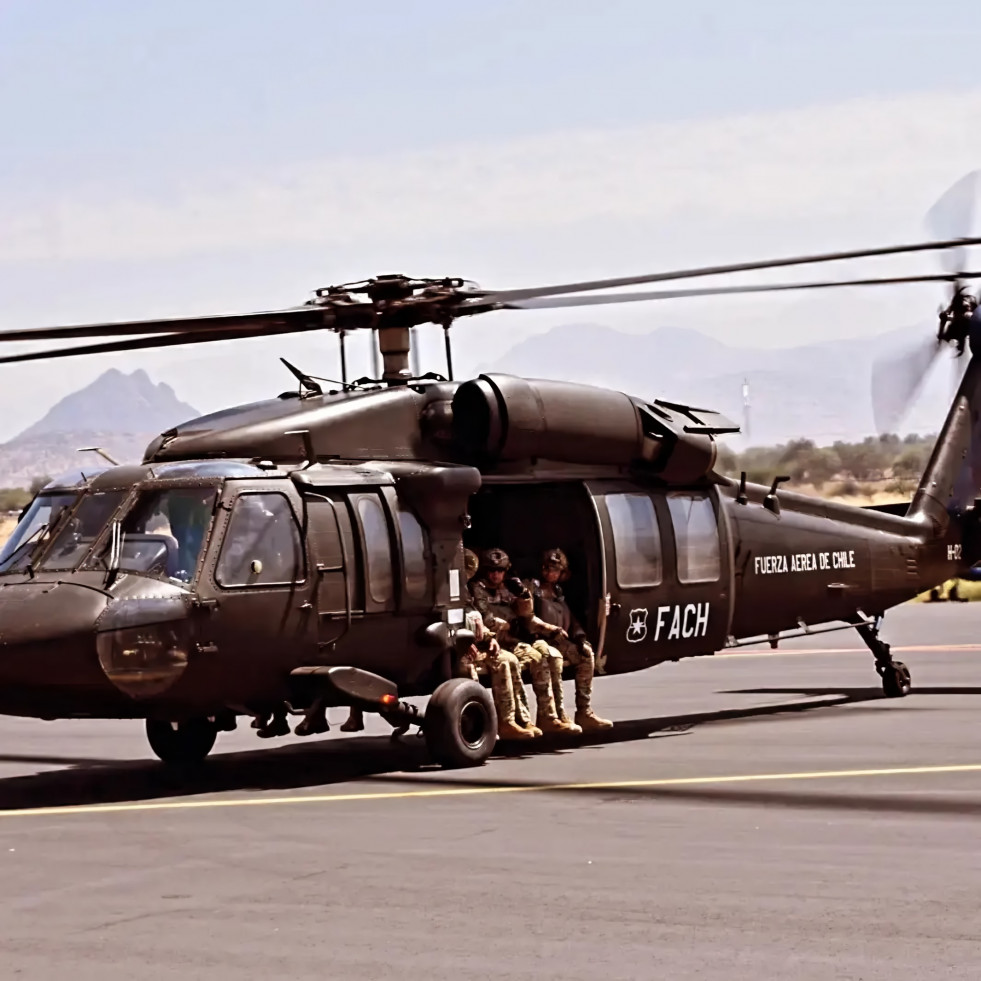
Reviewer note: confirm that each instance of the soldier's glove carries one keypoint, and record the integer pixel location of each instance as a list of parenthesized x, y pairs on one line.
[(516, 587), (494, 648), (547, 630)]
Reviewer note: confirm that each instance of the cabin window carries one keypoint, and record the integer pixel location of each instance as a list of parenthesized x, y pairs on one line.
[(413, 554), (378, 552), (636, 539), (262, 544), (696, 535)]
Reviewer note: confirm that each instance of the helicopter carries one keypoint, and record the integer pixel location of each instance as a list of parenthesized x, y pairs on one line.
[(307, 550)]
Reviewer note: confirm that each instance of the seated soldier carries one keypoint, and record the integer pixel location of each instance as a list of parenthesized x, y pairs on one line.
[(513, 718), (495, 597), (572, 644)]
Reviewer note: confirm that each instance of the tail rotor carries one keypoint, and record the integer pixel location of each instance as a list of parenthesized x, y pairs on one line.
[(898, 380)]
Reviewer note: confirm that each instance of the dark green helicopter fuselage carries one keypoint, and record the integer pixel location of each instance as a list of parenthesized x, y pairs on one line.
[(329, 530)]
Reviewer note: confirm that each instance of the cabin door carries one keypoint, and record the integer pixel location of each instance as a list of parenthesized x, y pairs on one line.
[(331, 544), (664, 576)]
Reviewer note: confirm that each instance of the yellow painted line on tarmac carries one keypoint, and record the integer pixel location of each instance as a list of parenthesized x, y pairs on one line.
[(184, 805), (779, 652)]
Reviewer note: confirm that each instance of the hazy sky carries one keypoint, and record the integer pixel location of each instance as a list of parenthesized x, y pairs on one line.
[(206, 157)]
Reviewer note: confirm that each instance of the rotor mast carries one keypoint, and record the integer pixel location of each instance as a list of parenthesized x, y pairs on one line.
[(395, 305)]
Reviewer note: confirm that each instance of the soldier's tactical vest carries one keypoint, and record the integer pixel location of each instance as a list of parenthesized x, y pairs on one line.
[(551, 609), (497, 601)]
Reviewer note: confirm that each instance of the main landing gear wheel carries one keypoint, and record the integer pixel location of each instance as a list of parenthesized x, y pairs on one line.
[(896, 680), (460, 723), (186, 743)]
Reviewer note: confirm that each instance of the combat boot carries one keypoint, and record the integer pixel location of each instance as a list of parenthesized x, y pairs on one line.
[(591, 722), (573, 728), (279, 726), (354, 721), (508, 729), (314, 721), (523, 720), (528, 726), (548, 720)]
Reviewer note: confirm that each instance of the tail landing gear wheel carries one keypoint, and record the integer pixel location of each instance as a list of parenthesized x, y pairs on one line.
[(896, 680), (460, 723), (190, 742)]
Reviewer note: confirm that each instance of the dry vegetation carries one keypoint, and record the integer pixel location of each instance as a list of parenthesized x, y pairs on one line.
[(879, 470), (7, 525)]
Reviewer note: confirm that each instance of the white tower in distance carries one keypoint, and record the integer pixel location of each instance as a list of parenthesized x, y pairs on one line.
[(746, 409)]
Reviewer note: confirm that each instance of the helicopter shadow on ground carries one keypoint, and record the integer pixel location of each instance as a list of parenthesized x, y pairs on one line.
[(330, 761), (717, 793)]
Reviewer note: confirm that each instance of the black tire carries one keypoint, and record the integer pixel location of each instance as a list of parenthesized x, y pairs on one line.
[(189, 743), (460, 724), (896, 681)]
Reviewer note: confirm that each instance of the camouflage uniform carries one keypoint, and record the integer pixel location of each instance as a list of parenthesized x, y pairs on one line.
[(514, 719), (497, 605), (571, 645)]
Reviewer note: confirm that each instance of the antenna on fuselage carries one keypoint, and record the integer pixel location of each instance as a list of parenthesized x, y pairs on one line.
[(100, 451)]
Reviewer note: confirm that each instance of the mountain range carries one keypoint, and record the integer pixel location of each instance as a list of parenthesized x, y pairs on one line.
[(120, 413), (816, 391)]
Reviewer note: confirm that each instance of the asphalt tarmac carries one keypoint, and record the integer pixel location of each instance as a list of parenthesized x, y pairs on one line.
[(755, 814)]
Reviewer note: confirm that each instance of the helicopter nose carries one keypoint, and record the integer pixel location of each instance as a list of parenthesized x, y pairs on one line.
[(70, 635), (47, 634)]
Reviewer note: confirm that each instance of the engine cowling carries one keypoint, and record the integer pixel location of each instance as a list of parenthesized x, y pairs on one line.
[(502, 418)]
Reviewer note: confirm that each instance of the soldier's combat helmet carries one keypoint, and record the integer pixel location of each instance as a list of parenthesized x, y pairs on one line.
[(554, 558), (496, 560), (470, 563)]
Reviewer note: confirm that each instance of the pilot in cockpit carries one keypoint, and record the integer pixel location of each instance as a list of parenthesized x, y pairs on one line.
[(189, 513)]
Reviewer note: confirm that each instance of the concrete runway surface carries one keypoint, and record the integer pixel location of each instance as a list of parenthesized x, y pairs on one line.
[(767, 814)]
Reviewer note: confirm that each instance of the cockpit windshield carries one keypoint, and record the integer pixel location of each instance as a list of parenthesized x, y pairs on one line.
[(162, 534), (41, 512), (78, 533)]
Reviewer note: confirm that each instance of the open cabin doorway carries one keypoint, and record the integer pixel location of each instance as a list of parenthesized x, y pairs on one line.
[(527, 519)]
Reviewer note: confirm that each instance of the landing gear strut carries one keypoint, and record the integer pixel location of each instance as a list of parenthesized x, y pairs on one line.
[(894, 674)]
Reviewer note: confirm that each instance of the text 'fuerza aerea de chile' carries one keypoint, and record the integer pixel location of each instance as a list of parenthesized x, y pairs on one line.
[(768, 565)]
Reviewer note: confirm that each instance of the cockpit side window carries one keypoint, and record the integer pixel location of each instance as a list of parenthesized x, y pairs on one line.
[(163, 533), (39, 514), (78, 533), (262, 544)]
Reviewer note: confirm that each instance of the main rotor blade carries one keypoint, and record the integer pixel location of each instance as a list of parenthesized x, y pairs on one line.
[(544, 303), (141, 343), (270, 319), (510, 296)]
